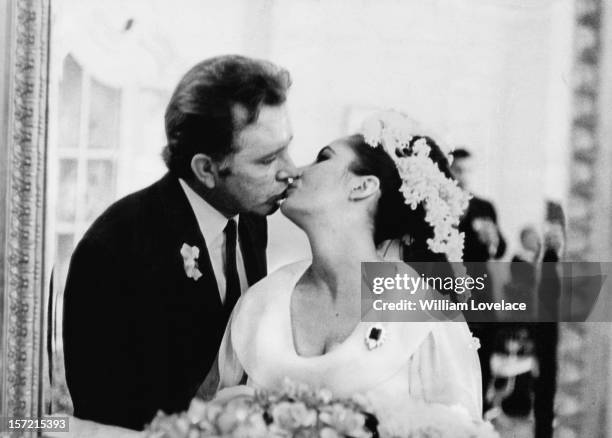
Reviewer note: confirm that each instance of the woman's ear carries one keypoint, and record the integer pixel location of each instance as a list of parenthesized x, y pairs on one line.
[(205, 170), (365, 186)]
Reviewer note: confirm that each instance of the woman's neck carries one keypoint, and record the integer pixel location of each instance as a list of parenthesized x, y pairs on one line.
[(337, 255)]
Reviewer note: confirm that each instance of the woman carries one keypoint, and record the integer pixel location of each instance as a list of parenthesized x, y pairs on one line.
[(303, 322)]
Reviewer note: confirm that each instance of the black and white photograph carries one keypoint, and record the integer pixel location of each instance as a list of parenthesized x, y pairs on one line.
[(306, 218)]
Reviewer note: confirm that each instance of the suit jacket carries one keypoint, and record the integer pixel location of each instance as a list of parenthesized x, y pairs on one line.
[(475, 256), (139, 335), (546, 341)]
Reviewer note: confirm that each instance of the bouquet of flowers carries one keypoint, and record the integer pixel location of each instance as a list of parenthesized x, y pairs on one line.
[(294, 411), (298, 411), (434, 420)]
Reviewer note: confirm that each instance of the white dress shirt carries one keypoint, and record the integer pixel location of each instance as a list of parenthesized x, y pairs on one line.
[(212, 225)]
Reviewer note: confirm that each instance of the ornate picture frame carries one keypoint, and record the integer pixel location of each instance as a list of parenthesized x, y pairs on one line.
[(24, 44), (23, 127)]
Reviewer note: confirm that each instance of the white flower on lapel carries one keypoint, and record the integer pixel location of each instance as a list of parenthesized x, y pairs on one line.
[(190, 261)]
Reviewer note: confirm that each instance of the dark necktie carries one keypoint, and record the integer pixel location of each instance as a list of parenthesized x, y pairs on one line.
[(232, 281), (232, 292)]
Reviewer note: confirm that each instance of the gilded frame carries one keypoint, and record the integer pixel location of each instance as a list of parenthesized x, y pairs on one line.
[(582, 405), (23, 128), (24, 44)]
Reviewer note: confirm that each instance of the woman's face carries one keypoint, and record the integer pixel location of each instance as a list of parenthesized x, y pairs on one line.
[(324, 185)]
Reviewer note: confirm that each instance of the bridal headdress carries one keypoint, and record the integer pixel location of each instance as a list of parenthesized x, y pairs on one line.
[(422, 181)]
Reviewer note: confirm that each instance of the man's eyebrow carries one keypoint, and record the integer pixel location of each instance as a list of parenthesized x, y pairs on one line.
[(275, 152)]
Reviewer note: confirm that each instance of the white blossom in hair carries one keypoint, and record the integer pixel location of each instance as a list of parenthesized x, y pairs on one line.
[(422, 181)]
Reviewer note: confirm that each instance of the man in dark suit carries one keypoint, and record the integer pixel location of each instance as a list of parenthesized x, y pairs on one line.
[(153, 281), (483, 242)]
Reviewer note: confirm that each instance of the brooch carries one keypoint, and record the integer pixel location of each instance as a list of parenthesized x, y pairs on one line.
[(375, 336), (190, 256)]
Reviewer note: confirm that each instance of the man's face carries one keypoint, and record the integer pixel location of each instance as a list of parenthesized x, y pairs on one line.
[(461, 169), (256, 173)]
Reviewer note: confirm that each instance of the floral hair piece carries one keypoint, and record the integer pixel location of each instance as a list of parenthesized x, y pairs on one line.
[(422, 181)]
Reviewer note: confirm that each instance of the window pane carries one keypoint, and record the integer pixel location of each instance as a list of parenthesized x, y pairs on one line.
[(66, 203), (104, 116), (64, 249), (100, 187), (70, 88)]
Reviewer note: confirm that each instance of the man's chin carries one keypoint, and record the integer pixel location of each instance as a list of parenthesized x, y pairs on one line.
[(265, 209), (273, 209)]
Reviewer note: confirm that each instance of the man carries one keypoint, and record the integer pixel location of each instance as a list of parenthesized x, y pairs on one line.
[(483, 242), (153, 281)]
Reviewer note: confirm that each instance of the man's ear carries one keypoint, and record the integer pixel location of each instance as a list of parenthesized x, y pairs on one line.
[(205, 169), (365, 186)]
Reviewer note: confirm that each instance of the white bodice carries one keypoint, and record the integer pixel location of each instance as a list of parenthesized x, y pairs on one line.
[(425, 361)]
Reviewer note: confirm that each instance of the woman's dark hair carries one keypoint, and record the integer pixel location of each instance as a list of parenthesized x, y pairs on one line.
[(394, 218), (200, 116)]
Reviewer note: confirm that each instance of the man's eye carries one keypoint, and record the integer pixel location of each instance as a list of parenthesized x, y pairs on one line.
[(269, 160)]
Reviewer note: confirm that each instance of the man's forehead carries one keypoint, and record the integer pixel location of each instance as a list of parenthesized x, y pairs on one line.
[(270, 131), (266, 115)]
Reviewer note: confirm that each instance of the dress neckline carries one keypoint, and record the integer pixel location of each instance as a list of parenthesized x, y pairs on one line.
[(289, 320), (261, 335)]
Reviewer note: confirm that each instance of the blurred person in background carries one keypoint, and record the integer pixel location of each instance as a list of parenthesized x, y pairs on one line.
[(483, 239), (513, 364), (483, 242), (524, 267), (547, 333)]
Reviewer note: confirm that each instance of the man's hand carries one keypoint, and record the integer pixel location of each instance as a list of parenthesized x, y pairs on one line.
[(487, 232), (554, 238)]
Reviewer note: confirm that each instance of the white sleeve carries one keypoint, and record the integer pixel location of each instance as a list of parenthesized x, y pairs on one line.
[(230, 369)]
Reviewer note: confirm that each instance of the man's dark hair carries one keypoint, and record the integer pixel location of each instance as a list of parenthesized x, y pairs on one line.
[(200, 116), (460, 153)]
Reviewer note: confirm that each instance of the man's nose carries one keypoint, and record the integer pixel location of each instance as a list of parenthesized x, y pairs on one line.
[(288, 171)]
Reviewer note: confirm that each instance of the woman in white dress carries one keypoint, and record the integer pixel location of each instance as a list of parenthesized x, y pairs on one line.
[(304, 323)]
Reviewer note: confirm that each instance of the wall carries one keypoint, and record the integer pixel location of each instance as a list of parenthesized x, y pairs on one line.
[(492, 75)]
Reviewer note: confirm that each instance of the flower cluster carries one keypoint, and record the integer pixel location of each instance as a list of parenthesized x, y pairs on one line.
[(298, 411), (295, 411), (190, 256), (422, 181), (429, 420)]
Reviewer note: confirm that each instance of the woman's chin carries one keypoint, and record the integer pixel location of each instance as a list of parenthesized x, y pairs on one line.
[(284, 208), (287, 208)]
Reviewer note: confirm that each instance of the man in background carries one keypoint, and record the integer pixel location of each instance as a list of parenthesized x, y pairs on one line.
[(483, 239), (483, 242)]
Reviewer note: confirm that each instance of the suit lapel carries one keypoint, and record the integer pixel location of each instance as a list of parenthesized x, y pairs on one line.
[(184, 226), (185, 229)]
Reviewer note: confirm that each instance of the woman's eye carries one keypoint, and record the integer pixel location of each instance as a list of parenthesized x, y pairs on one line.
[(321, 157), (269, 160)]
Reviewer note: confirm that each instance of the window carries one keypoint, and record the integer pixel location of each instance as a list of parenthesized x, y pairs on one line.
[(87, 151)]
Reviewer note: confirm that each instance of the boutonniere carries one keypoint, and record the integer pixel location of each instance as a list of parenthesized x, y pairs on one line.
[(190, 261), (375, 336)]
